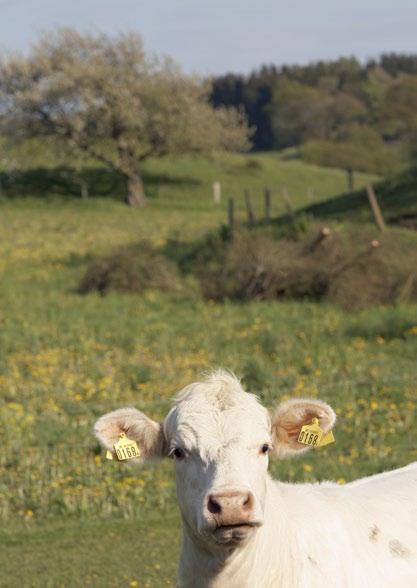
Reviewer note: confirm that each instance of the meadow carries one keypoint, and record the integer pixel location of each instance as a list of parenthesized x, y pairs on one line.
[(68, 516)]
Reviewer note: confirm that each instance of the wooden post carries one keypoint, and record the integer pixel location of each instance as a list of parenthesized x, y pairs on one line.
[(267, 195), (350, 180), (231, 214), (249, 208), (406, 290), (320, 237), (376, 211), (217, 192), (287, 201), (84, 189)]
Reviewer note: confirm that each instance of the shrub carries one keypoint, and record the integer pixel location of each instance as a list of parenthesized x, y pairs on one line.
[(345, 268), (131, 269)]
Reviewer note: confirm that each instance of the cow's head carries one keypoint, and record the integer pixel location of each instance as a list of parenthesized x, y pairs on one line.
[(219, 438)]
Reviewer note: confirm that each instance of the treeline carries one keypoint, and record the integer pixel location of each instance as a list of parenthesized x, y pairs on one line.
[(342, 112)]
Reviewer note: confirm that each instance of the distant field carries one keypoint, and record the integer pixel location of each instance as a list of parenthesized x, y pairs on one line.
[(69, 517), (185, 183)]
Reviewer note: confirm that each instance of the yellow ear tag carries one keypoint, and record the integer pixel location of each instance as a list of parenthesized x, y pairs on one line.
[(109, 454), (126, 448), (314, 436), (311, 434), (327, 439)]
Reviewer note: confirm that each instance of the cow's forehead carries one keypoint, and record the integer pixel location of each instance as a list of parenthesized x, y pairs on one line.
[(217, 411)]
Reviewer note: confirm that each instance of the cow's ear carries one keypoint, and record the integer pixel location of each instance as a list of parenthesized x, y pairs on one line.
[(290, 416), (147, 433)]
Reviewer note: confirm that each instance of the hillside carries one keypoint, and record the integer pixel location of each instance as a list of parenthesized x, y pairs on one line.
[(185, 183), (397, 198)]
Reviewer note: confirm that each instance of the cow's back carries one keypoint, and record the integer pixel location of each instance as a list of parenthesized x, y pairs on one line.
[(360, 535)]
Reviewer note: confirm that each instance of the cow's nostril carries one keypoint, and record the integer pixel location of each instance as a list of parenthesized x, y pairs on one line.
[(213, 506), (248, 501)]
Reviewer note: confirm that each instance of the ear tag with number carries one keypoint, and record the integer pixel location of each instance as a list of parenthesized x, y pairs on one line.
[(126, 448), (311, 434), (314, 436)]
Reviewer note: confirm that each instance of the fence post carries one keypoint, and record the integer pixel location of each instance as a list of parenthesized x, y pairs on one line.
[(231, 214), (320, 237), (249, 208), (376, 211), (217, 192), (287, 201), (267, 195), (350, 179), (406, 290)]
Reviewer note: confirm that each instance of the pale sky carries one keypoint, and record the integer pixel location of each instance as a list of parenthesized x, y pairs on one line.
[(218, 36)]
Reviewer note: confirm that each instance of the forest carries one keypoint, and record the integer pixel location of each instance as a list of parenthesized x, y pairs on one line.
[(341, 113)]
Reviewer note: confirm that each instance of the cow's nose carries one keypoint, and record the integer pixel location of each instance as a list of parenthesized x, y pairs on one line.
[(230, 503)]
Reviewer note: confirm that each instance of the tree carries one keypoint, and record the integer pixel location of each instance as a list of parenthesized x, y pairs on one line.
[(398, 115), (360, 149), (298, 113), (105, 97)]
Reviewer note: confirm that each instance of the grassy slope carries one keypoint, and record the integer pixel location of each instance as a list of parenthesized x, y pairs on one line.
[(107, 553), (66, 359), (185, 183), (396, 197)]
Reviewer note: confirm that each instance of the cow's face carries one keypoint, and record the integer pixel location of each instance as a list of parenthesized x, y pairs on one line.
[(220, 438)]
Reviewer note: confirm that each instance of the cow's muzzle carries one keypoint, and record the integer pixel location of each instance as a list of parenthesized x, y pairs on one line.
[(231, 514)]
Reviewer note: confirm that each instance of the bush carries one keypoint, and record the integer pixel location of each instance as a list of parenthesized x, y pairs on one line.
[(345, 268), (131, 269)]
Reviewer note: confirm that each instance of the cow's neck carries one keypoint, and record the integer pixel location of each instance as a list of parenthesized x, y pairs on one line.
[(218, 568)]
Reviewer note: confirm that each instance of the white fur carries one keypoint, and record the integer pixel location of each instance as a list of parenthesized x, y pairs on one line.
[(361, 535)]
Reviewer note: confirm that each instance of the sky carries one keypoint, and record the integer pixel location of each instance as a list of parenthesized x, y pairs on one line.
[(219, 36)]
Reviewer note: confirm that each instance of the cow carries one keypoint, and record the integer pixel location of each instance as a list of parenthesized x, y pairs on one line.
[(241, 528)]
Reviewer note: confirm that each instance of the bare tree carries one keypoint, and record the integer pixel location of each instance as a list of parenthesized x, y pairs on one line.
[(104, 96)]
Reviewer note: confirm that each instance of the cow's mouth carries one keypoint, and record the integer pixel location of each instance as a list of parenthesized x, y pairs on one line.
[(234, 533)]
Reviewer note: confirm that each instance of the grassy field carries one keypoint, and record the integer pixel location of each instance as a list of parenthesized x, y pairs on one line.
[(69, 517), (396, 197)]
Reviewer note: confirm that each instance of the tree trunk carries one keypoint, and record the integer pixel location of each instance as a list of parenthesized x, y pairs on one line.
[(135, 192)]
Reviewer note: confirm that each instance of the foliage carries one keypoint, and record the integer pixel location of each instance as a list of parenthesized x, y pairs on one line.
[(343, 267), (130, 269), (291, 105), (361, 149), (104, 96)]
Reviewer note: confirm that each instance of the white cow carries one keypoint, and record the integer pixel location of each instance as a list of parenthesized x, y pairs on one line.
[(241, 529)]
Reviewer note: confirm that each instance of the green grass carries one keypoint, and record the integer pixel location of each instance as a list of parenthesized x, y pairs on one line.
[(396, 196), (105, 553), (68, 515), (185, 183)]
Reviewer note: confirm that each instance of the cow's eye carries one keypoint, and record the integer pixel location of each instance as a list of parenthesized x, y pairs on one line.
[(265, 448), (178, 453)]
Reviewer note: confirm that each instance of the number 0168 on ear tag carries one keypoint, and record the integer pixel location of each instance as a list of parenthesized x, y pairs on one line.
[(311, 434), (126, 448)]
